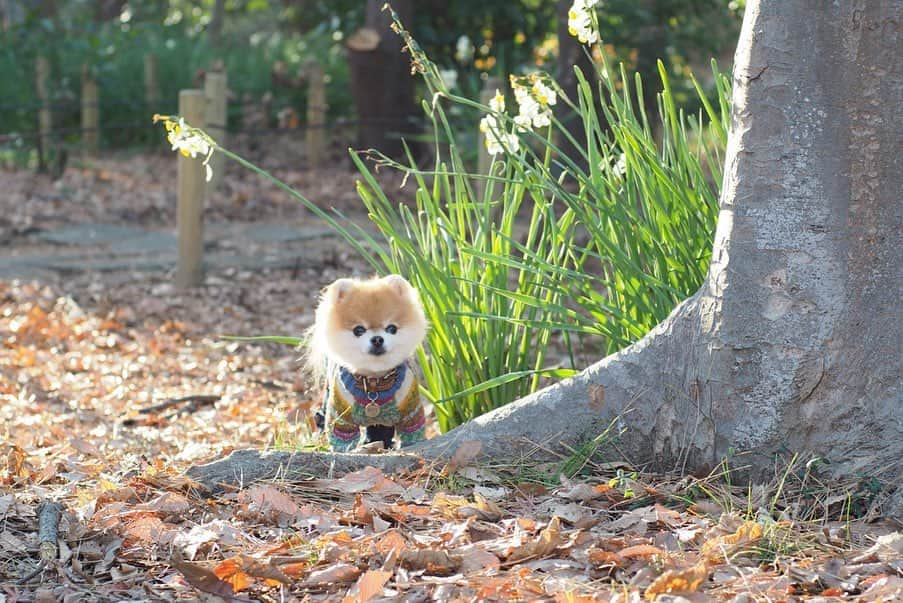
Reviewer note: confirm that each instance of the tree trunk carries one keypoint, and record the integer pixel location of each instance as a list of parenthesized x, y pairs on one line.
[(217, 18), (792, 345), (381, 80), (107, 10), (793, 342)]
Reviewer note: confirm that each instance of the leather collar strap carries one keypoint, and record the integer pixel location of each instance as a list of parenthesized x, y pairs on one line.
[(376, 384)]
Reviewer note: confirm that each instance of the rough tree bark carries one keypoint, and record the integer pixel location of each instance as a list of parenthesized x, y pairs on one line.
[(107, 10), (217, 20), (381, 80), (793, 342)]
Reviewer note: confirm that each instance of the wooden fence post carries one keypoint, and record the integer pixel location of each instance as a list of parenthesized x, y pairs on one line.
[(316, 115), (90, 112), (45, 114), (189, 214), (151, 83), (215, 118), (484, 159)]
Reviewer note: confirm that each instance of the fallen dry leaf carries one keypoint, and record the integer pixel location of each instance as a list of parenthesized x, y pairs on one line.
[(369, 479), (466, 453), (640, 551), (202, 578), (361, 512), (150, 529), (888, 547), (199, 535), (603, 557), (722, 547), (294, 569), (572, 597), (370, 584), (481, 508), (271, 503), (392, 540), (549, 540), (435, 562), (475, 559), (230, 571), (635, 521), (583, 492), (679, 581), (168, 503), (886, 588), (335, 574), (240, 571)]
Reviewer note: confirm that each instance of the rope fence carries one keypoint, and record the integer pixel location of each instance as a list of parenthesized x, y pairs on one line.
[(70, 121), (13, 137)]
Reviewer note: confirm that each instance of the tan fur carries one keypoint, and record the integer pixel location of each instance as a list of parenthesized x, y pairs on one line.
[(374, 304)]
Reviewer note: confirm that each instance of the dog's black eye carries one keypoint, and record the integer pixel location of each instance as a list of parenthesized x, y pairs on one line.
[(358, 330), (391, 329)]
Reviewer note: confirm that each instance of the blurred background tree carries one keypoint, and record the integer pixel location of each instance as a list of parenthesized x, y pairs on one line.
[(264, 44)]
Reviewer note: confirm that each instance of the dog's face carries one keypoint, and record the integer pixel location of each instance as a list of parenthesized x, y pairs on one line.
[(372, 326)]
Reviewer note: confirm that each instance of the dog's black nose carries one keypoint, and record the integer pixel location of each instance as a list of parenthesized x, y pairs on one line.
[(377, 341)]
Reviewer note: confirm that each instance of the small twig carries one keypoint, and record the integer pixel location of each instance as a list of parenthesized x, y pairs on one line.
[(268, 384), (191, 407), (758, 75), (194, 402), (28, 578), (49, 514), (197, 398)]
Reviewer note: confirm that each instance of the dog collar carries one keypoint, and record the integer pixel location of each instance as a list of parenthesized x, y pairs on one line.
[(380, 388), (377, 384)]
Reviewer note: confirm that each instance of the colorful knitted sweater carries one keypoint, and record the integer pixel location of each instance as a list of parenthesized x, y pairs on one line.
[(353, 401)]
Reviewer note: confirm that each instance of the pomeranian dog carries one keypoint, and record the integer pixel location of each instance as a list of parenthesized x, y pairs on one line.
[(364, 335)]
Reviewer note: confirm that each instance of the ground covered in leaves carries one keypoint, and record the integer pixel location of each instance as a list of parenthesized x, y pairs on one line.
[(108, 392)]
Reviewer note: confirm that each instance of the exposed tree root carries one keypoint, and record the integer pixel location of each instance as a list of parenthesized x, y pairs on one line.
[(244, 467)]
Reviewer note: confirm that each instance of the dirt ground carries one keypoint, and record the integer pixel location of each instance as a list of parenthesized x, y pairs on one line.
[(113, 382)]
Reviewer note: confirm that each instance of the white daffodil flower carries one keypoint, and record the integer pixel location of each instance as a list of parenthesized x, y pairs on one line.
[(544, 94), (497, 102), (188, 140), (511, 143), (533, 105), (496, 139), (542, 118), (523, 122), (620, 167), (580, 21)]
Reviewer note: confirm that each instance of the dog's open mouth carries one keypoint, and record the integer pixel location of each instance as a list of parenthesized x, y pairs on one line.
[(377, 351)]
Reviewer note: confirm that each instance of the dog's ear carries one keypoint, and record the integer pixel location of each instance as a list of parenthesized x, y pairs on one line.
[(398, 284), (338, 290)]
